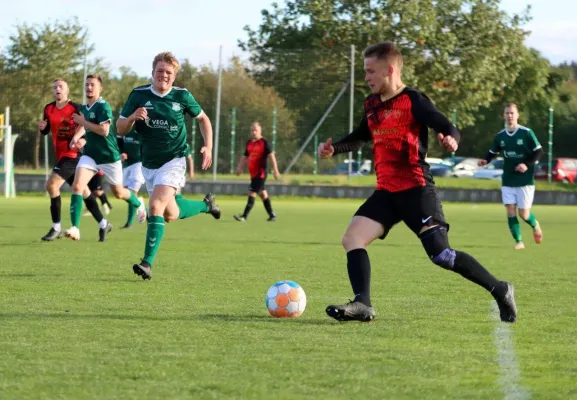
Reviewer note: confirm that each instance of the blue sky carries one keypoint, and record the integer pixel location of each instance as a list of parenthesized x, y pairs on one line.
[(131, 32)]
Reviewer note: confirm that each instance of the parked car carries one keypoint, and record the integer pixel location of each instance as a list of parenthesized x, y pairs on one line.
[(563, 170), (343, 168), (493, 170), (456, 166)]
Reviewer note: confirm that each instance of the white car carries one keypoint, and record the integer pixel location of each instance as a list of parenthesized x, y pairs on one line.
[(493, 170)]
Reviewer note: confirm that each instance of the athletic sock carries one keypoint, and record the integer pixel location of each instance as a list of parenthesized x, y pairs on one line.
[(249, 205), (75, 209), (531, 220), (190, 208), (359, 269), (55, 209), (268, 207), (154, 234), (469, 268), (515, 228), (92, 206)]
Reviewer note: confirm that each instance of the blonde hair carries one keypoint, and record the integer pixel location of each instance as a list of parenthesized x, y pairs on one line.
[(167, 57)]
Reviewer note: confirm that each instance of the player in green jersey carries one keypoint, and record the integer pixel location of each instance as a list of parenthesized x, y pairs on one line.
[(100, 152), (521, 150), (133, 179), (157, 113)]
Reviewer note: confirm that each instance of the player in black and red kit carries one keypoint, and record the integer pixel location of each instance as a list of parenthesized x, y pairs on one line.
[(257, 152), (397, 120), (58, 121)]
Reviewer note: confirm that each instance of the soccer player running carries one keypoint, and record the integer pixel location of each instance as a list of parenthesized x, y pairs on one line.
[(131, 168), (58, 121), (100, 153), (157, 113), (521, 150), (96, 188), (257, 152), (397, 120)]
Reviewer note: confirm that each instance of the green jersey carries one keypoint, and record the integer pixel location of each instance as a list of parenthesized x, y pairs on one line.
[(516, 147), (102, 149), (131, 146), (163, 133)]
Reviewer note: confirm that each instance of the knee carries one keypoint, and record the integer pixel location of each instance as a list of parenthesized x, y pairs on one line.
[(168, 218), (117, 191), (51, 188), (77, 188), (263, 195), (351, 241), (436, 243), (156, 208), (524, 214)]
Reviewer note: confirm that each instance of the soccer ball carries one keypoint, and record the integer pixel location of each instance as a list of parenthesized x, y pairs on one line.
[(286, 299)]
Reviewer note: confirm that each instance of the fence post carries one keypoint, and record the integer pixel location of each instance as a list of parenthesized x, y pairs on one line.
[(550, 151), (316, 155), (351, 108), (217, 117), (232, 136)]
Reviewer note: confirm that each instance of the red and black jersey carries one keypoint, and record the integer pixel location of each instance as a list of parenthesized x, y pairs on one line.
[(257, 152), (399, 129), (62, 127)]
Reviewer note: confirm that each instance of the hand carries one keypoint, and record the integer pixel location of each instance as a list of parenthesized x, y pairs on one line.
[(276, 175), (448, 142), (139, 114), (42, 124), (482, 163), (80, 143), (191, 174), (206, 157), (124, 156), (75, 143), (79, 119), (238, 171), (521, 168), (326, 149)]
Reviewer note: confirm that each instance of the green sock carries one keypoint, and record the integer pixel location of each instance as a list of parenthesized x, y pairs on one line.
[(131, 214), (133, 200), (154, 235), (531, 220), (190, 208), (75, 209), (515, 228)]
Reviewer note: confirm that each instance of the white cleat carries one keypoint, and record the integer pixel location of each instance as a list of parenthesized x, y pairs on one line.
[(519, 246), (72, 233), (141, 212)]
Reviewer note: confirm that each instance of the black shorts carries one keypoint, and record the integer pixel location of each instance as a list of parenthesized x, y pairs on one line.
[(95, 183), (416, 207), (257, 184), (65, 168)]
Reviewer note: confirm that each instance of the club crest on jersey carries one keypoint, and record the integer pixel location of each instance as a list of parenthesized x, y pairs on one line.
[(502, 143), (92, 115), (176, 106), (148, 105), (520, 142)]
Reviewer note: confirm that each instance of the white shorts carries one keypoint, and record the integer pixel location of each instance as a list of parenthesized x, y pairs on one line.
[(113, 171), (170, 174), (132, 177), (521, 196)]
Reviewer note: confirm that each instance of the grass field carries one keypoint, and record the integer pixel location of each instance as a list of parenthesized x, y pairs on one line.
[(75, 323)]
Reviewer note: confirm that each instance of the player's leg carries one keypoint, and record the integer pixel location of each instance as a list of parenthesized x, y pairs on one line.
[(85, 170), (525, 197), (113, 172), (53, 185), (253, 189), (133, 180), (373, 220), (267, 205), (509, 195), (423, 214), (101, 194)]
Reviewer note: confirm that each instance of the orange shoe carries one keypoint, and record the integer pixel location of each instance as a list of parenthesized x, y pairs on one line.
[(538, 233)]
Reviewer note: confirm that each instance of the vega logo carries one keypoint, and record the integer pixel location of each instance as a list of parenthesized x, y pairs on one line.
[(156, 123)]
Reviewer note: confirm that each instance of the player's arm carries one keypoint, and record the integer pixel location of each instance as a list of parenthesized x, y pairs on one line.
[(270, 155), (129, 115), (205, 129), (190, 163), (537, 150), (44, 125), (354, 140), (493, 151), (192, 108), (427, 114), (102, 128)]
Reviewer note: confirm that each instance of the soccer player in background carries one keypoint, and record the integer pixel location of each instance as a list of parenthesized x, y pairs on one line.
[(58, 121), (521, 150), (129, 145), (97, 189), (156, 111), (100, 153), (257, 152), (397, 120)]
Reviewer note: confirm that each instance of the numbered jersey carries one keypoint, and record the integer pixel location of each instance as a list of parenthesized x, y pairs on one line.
[(102, 149), (163, 132), (516, 148)]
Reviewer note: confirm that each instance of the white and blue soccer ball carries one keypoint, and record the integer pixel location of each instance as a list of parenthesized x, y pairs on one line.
[(286, 299)]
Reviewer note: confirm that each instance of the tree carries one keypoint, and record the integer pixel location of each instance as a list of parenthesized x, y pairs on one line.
[(36, 55)]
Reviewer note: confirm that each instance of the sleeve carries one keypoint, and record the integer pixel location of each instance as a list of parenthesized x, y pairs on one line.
[(354, 140), (120, 142), (129, 107), (46, 130), (191, 106), (104, 114), (267, 148), (537, 149), (427, 114), (533, 141), (494, 149), (246, 149)]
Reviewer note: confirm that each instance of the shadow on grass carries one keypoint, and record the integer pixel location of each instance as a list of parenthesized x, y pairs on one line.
[(231, 318)]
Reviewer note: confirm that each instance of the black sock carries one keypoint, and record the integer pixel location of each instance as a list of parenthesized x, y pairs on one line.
[(92, 206), (104, 200), (248, 207), (471, 269), (359, 268), (268, 207), (55, 208)]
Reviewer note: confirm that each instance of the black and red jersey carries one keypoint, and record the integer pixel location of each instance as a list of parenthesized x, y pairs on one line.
[(399, 129), (62, 127), (257, 152)]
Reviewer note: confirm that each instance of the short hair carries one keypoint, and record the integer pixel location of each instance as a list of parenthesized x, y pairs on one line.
[(95, 76), (167, 57), (59, 80), (511, 105), (256, 123), (385, 51)]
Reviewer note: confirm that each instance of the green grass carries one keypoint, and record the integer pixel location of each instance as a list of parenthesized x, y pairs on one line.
[(340, 180), (87, 328)]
